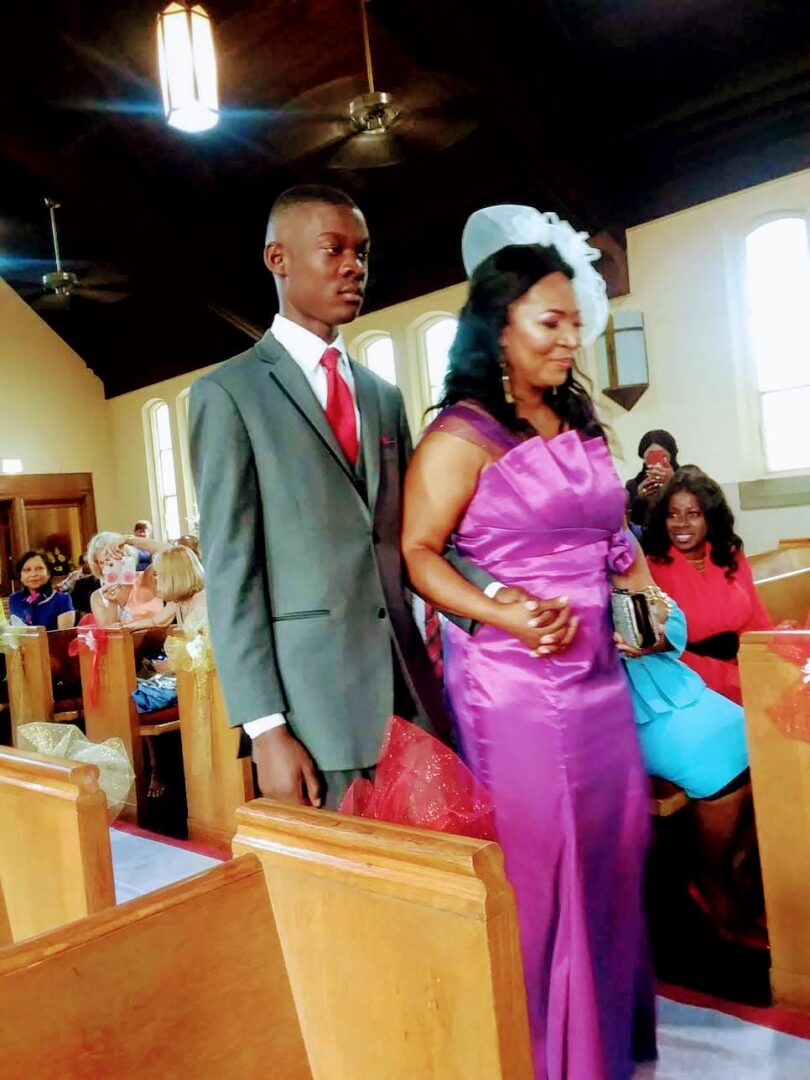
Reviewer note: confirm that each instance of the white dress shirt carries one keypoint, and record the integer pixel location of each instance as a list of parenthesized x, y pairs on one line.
[(306, 349)]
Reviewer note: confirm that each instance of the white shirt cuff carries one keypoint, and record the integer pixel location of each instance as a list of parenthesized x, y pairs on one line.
[(257, 727), (490, 591)]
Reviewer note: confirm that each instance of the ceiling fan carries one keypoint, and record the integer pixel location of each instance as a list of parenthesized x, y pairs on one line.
[(358, 126), (57, 287)]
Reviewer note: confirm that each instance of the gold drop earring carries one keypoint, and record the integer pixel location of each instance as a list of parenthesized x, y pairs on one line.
[(507, 386)]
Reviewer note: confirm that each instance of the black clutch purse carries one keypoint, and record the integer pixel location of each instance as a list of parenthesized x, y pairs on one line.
[(635, 616)]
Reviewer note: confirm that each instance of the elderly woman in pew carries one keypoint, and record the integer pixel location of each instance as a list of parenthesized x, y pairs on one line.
[(696, 557), (695, 738), (37, 603), (127, 597)]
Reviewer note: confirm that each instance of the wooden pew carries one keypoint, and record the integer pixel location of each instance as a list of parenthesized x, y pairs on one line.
[(780, 776), (30, 689), (55, 857), (114, 714), (213, 795), (188, 981), (401, 945), (786, 596), (790, 555)]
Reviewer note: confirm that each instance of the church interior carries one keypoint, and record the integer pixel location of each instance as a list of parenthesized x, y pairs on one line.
[(154, 924)]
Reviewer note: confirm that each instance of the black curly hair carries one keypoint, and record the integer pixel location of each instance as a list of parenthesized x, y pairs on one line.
[(474, 372), (725, 543)]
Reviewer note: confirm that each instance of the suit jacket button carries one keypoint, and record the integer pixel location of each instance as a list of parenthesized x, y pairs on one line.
[(381, 613)]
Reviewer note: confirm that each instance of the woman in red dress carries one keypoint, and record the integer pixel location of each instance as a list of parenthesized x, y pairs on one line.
[(696, 557)]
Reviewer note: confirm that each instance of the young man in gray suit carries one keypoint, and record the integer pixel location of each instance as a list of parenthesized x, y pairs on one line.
[(299, 456)]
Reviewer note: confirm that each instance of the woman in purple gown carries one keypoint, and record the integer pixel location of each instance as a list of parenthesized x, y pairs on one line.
[(517, 472)]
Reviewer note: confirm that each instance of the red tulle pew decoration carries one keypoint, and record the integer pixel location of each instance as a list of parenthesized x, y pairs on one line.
[(420, 782)]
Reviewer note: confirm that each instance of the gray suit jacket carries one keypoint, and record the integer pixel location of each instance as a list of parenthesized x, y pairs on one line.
[(304, 575)]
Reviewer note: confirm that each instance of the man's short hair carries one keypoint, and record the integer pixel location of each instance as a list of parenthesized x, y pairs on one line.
[(302, 194)]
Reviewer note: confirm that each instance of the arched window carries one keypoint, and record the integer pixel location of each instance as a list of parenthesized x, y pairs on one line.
[(192, 513), (438, 336), (378, 353), (777, 280), (168, 503)]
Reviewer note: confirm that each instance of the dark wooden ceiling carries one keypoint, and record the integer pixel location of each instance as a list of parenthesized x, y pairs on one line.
[(609, 111)]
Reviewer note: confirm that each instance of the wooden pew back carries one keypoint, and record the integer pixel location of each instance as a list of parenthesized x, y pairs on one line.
[(188, 981), (114, 714), (780, 776), (213, 795), (55, 858), (786, 596), (794, 555), (401, 944), (29, 680)]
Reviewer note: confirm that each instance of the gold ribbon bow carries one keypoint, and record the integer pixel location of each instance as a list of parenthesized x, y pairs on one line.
[(11, 644), (190, 650)]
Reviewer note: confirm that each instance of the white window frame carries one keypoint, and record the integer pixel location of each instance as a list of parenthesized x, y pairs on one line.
[(418, 336), (158, 497), (363, 343), (192, 514), (754, 461)]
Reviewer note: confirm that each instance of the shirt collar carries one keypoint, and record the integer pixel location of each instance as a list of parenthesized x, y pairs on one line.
[(303, 346)]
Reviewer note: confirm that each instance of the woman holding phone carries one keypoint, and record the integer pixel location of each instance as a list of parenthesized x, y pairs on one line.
[(127, 597), (659, 453)]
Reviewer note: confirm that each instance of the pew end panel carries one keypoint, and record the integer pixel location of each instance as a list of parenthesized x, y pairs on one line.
[(29, 680), (186, 981), (780, 776), (113, 714), (212, 796), (402, 945), (786, 596), (55, 856)]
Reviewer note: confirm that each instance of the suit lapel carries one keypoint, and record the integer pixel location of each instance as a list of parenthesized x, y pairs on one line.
[(368, 402), (292, 382)]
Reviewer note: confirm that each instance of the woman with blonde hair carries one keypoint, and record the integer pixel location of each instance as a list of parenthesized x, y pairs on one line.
[(180, 583)]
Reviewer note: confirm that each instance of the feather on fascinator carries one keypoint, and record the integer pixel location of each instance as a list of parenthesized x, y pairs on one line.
[(496, 227)]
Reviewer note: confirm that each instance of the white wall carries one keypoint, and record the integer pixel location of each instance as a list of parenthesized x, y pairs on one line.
[(130, 435), (685, 276), (53, 415)]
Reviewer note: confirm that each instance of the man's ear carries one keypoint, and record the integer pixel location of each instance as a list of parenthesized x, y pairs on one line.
[(275, 258)]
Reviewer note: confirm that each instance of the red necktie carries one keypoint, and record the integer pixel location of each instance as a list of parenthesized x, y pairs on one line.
[(340, 406)]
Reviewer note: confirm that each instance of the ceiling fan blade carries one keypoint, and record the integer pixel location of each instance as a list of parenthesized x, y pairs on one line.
[(102, 296), (102, 276), (50, 302), (315, 120), (368, 151)]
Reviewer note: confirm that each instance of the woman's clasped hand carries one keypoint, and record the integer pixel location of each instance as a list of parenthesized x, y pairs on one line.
[(544, 626)]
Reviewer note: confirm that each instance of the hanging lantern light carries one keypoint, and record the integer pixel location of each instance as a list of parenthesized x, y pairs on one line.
[(188, 67)]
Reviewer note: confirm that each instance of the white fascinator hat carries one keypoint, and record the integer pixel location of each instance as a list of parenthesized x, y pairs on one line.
[(496, 227)]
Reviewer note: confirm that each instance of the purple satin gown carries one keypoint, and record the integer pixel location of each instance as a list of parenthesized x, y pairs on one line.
[(555, 742)]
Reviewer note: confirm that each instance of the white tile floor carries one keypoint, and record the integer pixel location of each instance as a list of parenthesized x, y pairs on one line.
[(141, 865), (702, 1044), (694, 1043)]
